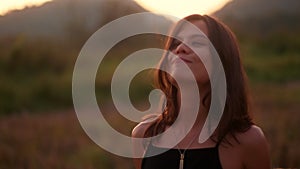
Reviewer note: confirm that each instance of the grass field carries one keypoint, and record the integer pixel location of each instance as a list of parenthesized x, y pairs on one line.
[(56, 139), (51, 140)]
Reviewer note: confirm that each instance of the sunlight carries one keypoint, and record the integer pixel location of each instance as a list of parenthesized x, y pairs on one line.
[(6, 6), (179, 9), (182, 8)]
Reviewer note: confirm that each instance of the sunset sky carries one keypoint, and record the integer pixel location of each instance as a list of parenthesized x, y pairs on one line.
[(6, 5), (183, 8), (176, 8)]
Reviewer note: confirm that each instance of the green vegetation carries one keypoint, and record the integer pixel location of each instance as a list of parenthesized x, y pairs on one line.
[(35, 75), (266, 65)]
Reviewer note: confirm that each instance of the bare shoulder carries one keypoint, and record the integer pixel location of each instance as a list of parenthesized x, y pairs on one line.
[(140, 129), (255, 148), (138, 146), (253, 137)]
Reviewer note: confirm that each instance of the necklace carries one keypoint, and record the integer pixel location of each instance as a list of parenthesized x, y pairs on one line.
[(183, 153)]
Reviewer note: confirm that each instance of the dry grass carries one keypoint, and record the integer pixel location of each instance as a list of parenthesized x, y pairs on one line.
[(276, 110), (56, 140), (51, 141)]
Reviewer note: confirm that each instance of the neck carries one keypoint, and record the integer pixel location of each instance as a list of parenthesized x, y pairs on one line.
[(204, 92)]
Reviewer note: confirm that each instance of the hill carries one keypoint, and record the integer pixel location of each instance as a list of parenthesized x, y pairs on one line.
[(39, 47), (262, 18), (60, 17)]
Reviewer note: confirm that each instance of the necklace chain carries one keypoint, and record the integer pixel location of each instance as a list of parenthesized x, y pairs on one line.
[(188, 146), (183, 153)]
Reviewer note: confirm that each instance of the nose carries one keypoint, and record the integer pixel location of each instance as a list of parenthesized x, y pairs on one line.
[(182, 48)]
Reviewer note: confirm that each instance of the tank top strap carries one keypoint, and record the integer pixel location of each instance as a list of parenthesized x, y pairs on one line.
[(218, 143)]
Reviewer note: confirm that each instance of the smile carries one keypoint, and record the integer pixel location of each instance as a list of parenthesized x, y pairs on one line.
[(186, 60)]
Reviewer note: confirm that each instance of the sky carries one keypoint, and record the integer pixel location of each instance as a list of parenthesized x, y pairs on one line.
[(6, 5), (178, 8), (182, 8)]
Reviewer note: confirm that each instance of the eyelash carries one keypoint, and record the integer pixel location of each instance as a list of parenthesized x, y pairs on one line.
[(175, 43), (197, 44)]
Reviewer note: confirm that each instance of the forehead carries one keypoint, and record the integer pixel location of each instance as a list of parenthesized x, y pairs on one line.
[(197, 28)]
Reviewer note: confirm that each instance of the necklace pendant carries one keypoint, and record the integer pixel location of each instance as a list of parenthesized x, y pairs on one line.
[(181, 161)]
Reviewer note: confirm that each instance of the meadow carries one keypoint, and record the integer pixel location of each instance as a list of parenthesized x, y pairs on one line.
[(39, 128)]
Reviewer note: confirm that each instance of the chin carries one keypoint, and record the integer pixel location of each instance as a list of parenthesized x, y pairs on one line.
[(183, 77)]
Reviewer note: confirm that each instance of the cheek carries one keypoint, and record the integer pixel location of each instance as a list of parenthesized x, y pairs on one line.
[(204, 60), (199, 71), (203, 53)]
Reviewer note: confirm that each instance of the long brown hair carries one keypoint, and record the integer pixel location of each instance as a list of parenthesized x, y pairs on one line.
[(236, 116)]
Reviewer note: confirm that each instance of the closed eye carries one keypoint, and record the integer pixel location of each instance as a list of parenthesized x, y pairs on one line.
[(197, 44)]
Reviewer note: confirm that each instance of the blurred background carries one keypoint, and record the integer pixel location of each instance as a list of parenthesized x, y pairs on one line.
[(39, 46)]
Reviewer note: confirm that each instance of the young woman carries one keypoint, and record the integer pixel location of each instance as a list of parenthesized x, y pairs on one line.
[(237, 143)]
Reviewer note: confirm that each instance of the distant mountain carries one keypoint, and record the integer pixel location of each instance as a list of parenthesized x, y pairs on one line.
[(60, 17), (262, 17)]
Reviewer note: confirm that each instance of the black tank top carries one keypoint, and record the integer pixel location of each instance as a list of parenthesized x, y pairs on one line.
[(202, 158)]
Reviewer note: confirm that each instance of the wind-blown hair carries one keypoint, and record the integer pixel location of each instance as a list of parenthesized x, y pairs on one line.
[(236, 117)]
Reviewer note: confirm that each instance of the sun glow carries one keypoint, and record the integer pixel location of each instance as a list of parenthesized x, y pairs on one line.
[(7, 5), (180, 8)]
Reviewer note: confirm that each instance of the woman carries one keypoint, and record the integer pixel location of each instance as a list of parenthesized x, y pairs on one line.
[(236, 143)]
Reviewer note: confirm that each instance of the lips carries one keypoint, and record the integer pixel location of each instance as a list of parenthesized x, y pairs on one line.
[(179, 60), (185, 60)]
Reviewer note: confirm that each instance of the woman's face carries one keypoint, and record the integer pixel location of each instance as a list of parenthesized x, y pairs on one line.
[(200, 43)]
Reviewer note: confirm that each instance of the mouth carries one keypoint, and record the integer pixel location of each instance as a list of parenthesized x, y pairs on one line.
[(185, 60), (179, 59)]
